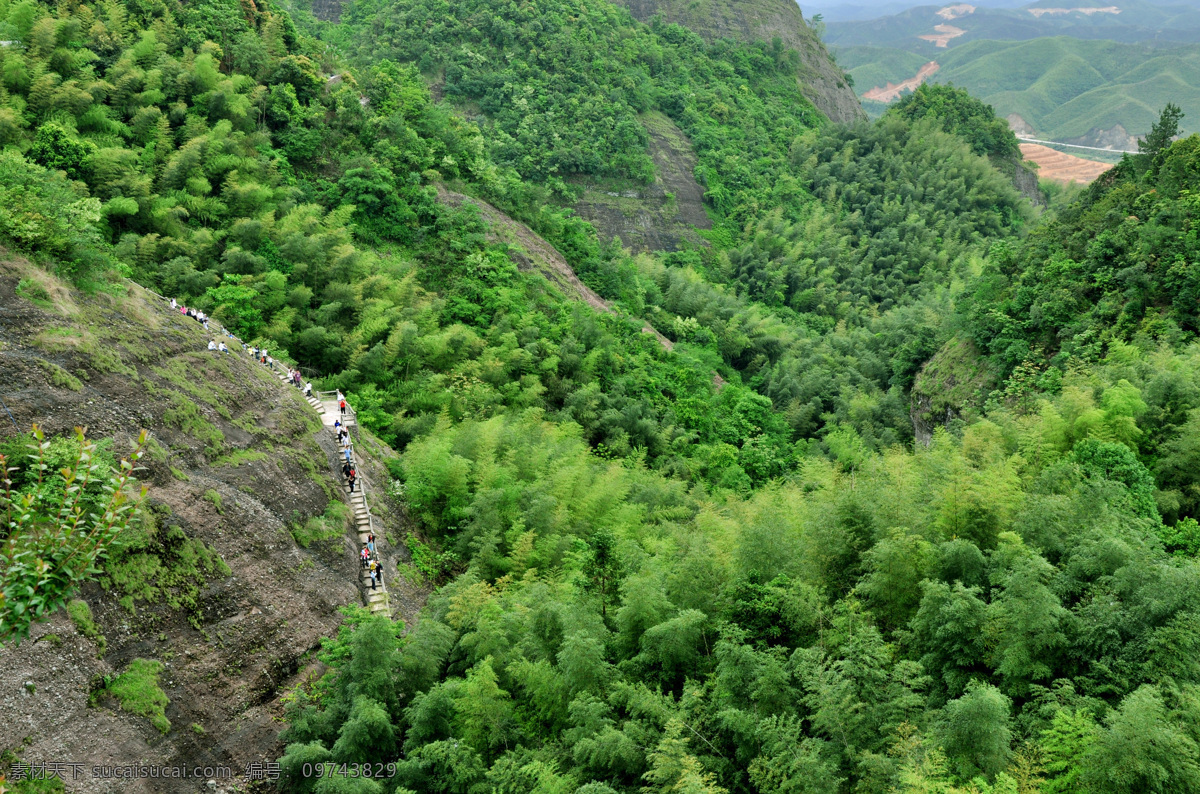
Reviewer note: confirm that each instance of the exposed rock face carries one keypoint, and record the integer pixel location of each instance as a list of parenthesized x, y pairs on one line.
[(822, 81), (952, 385), (1025, 180), (663, 214), (327, 10), (1020, 126), (1117, 137), (116, 365)]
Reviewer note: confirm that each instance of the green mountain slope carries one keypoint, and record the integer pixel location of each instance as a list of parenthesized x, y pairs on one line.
[(1064, 89), (1135, 22), (711, 559), (822, 80)]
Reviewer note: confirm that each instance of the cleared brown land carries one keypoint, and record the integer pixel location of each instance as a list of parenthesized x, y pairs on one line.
[(893, 90), (1062, 167), (955, 11), (943, 35)]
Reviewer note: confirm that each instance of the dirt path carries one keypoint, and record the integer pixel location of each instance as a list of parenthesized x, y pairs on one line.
[(1061, 167), (892, 91), (943, 35)]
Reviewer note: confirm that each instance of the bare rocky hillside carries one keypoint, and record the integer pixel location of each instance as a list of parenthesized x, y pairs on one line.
[(221, 593)]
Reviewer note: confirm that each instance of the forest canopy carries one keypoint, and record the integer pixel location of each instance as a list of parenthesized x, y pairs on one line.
[(906, 501)]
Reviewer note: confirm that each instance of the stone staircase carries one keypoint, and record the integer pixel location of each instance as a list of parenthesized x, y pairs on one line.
[(377, 597), (364, 522)]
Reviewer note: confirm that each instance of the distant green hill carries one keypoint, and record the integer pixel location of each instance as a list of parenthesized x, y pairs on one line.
[(1137, 21), (878, 65), (1063, 88)]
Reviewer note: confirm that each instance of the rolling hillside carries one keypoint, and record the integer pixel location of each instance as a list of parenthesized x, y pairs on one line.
[(1101, 93), (1132, 21)]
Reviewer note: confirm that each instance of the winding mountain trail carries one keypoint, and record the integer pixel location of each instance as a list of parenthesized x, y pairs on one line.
[(376, 597)]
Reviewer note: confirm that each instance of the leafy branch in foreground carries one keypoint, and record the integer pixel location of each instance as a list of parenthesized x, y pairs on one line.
[(58, 528)]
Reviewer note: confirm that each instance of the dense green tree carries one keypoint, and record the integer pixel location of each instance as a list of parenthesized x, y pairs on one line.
[(974, 731), (64, 507)]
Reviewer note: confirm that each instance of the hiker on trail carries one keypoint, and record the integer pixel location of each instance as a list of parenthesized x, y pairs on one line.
[(205, 321), (263, 353), (174, 305), (350, 480), (212, 344), (222, 348), (346, 469), (342, 405), (364, 555), (371, 543), (374, 575), (347, 454), (308, 389)]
